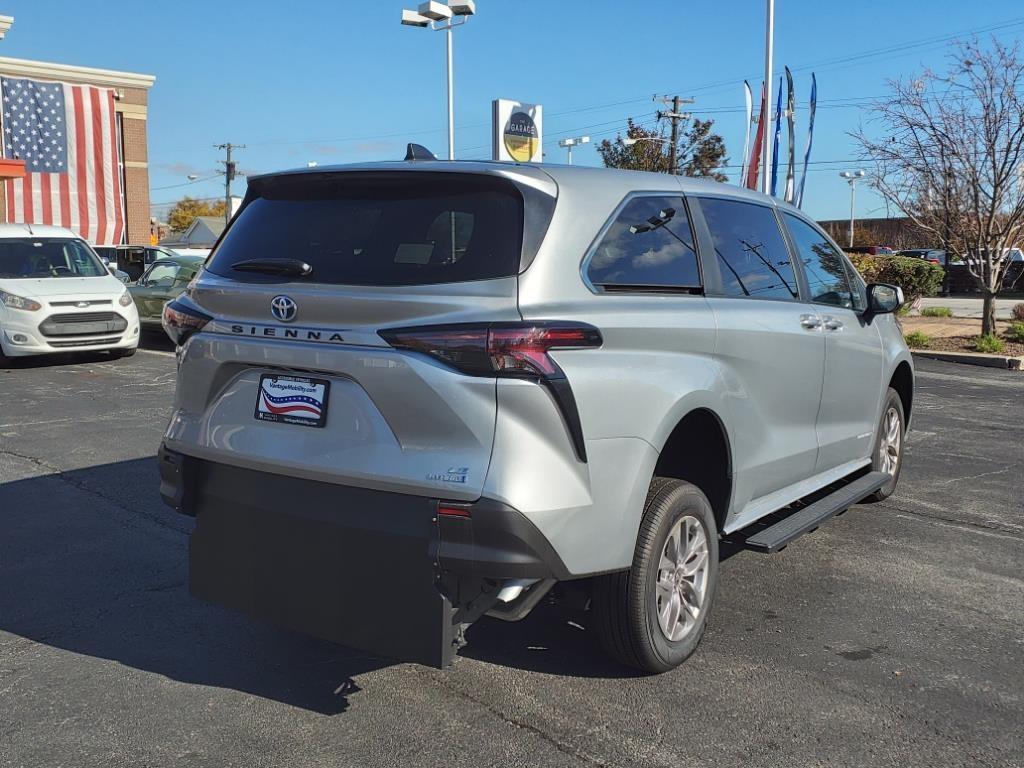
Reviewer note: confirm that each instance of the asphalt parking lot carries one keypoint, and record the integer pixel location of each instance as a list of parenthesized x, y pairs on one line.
[(892, 636)]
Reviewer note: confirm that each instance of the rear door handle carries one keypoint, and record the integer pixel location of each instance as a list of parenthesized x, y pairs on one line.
[(833, 323), (810, 322)]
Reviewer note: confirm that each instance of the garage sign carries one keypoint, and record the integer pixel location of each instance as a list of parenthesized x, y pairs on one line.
[(517, 131)]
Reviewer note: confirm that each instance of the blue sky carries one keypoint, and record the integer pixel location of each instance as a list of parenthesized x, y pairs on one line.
[(340, 81)]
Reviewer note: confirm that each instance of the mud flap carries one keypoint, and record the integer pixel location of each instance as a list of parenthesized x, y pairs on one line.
[(348, 565)]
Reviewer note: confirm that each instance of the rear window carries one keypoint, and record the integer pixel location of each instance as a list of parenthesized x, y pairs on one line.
[(379, 229)]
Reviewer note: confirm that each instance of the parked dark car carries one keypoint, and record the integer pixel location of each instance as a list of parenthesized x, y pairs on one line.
[(870, 250), (164, 280), (133, 259), (933, 255)]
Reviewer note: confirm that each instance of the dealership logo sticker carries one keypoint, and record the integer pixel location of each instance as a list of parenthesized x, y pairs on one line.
[(292, 400)]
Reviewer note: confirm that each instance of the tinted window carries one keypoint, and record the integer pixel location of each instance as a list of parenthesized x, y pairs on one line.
[(161, 275), (45, 257), (823, 264), (751, 252), (648, 244), (380, 229)]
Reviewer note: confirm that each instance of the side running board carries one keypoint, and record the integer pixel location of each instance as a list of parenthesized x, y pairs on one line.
[(806, 519)]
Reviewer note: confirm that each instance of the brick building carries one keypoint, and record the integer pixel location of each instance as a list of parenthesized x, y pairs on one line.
[(131, 93)]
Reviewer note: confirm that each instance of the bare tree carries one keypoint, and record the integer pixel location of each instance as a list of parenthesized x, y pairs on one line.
[(950, 156)]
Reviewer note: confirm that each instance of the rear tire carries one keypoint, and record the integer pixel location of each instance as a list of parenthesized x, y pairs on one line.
[(889, 445), (652, 617)]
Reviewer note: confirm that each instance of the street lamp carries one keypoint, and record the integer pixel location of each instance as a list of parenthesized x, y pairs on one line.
[(568, 144), (852, 177), (631, 142), (443, 17)]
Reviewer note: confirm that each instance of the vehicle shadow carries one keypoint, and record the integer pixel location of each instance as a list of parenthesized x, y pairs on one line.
[(56, 359), (92, 563), (100, 569)]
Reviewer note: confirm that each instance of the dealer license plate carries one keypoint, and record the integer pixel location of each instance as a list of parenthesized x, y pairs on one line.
[(292, 400)]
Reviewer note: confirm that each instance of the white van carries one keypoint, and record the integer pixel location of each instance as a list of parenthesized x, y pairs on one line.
[(57, 296)]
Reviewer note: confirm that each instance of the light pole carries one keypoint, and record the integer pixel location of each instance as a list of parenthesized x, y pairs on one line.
[(852, 178), (443, 17), (769, 43), (631, 142), (568, 144)]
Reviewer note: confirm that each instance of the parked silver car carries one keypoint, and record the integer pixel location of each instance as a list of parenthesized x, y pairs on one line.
[(411, 394)]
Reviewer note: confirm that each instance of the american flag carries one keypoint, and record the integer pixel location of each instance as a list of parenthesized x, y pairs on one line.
[(67, 136)]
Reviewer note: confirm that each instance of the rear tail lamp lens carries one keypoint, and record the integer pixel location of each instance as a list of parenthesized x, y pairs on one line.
[(180, 321), (519, 350), (499, 349)]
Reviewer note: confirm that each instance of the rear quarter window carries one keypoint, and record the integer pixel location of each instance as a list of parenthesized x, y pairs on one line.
[(380, 229)]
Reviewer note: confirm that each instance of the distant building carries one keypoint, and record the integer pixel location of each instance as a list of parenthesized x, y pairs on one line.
[(201, 233), (130, 193)]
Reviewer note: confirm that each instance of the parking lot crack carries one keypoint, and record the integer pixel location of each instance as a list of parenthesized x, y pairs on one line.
[(1010, 531), (518, 723)]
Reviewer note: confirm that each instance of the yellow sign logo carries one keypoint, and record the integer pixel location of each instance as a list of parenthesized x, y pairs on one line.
[(520, 135)]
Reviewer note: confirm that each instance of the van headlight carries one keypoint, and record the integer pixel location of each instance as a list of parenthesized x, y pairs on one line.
[(18, 302), (126, 299)]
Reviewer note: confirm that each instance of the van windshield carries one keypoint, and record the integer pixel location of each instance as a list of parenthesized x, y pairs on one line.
[(36, 257), (378, 229)]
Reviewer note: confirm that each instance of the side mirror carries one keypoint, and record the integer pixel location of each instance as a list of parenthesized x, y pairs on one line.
[(884, 299)]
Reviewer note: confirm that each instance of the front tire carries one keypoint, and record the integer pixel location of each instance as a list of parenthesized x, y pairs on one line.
[(889, 445), (652, 617), (116, 353)]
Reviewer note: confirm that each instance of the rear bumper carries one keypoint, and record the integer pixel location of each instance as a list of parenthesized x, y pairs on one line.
[(381, 572)]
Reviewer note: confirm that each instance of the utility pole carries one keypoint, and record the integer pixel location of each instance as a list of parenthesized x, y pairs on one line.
[(675, 116), (229, 175)]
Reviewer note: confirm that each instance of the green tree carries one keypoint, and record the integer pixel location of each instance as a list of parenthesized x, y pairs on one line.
[(186, 209), (699, 153)]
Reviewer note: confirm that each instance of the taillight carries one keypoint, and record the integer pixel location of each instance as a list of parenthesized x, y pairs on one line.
[(498, 349), (180, 321), (520, 350)]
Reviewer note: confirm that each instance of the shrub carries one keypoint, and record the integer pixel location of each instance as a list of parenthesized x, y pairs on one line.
[(916, 277), (917, 339), (991, 344), (936, 312), (1017, 311), (1016, 331)]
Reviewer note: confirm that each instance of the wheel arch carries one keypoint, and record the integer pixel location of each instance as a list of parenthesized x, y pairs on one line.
[(902, 380), (698, 450)]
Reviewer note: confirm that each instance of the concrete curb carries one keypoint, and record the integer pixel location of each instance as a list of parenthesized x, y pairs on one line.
[(972, 358)]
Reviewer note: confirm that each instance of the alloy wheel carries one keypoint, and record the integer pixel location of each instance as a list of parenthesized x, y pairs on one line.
[(889, 445), (682, 578)]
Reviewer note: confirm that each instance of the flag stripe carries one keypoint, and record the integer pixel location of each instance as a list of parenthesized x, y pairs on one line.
[(45, 201), (71, 191), (97, 156), (81, 191), (115, 175)]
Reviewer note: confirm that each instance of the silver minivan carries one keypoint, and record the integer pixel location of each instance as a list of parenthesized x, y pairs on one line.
[(411, 394)]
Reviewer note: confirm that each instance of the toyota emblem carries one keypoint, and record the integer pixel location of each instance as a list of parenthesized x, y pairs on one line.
[(283, 308)]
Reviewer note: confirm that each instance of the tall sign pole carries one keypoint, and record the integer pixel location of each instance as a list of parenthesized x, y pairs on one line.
[(769, 42)]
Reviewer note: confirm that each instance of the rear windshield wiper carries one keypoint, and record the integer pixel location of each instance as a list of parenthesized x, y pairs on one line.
[(274, 266)]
